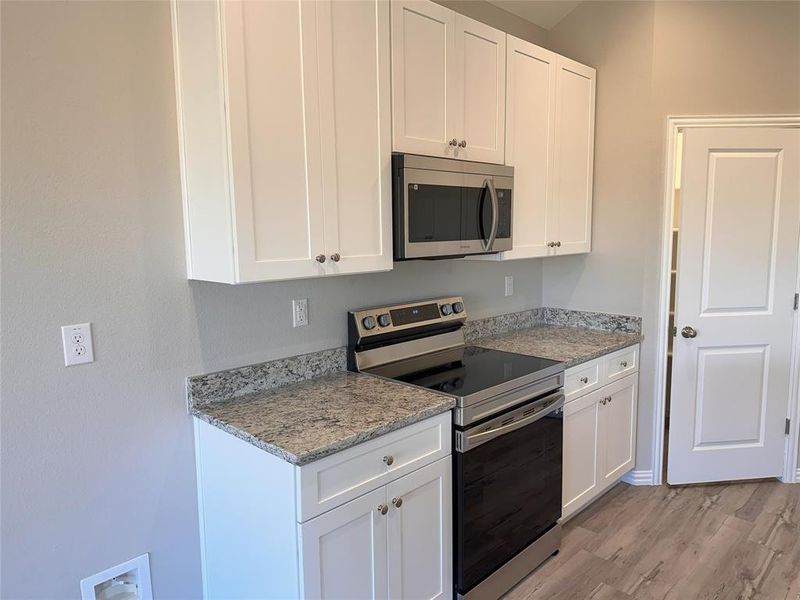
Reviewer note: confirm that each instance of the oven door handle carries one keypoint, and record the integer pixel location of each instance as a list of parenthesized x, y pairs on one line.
[(488, 243), (466, 441)]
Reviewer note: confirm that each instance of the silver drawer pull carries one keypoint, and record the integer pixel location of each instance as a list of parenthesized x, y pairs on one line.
[(383, 509), (398, 502), (584, 380), (623, 364), (388, 460)]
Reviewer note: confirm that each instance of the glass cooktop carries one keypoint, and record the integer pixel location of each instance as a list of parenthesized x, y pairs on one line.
[(466, 370)]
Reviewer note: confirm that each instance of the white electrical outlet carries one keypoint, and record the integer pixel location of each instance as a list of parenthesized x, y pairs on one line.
[(300, 312), (77, 340), (130, 580), (509, 285)]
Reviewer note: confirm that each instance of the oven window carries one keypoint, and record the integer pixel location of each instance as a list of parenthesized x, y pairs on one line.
[(508, 492)]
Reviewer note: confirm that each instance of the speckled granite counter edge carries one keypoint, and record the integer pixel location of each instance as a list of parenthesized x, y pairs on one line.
[(341, 444)]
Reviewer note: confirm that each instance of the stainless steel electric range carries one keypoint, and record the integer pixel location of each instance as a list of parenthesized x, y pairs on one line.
[(507, 435)]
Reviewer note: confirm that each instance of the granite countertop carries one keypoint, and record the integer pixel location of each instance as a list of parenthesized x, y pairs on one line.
[(307, 421), (570, 345)]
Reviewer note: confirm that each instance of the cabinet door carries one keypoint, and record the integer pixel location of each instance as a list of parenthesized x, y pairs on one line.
[(344, 551), (423, 44), (479, 81), (571, 200), (530, 120), (273, 112), (581, 456), (355, 121), (618, 428), (420, 533)]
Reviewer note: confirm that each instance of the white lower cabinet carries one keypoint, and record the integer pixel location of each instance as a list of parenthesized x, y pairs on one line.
[(269, 530), (599, 434), (357, 551)]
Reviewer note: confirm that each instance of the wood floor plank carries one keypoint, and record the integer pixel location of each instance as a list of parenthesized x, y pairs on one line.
[(720, 541)]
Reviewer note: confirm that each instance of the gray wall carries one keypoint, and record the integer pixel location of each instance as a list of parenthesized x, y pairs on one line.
[(98, 460), (654, 60)]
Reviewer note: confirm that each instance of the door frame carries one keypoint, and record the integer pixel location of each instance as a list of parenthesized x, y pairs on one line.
[(674, 124)]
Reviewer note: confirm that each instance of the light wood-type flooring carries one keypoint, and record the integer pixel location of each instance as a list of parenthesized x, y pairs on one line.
[(739, 540)]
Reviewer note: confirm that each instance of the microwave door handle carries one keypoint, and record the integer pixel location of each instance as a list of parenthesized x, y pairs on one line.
[(489, 183)]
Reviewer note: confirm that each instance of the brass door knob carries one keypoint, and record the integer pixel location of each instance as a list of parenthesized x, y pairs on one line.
[(689, 332)]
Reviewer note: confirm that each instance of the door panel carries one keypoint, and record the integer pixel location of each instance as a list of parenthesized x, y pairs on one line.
[(420, 533), (355, 122), (571, 204), (478, 109), (581, 422), (423, 44), (618, 427), (344, 551), (273, 108), (737, 274), (530, 128)]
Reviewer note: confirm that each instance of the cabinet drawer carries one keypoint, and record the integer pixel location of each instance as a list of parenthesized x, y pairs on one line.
[(336, 479), (582, 379), (622, 363)]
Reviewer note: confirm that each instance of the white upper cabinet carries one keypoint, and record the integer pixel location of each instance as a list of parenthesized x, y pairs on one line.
[(448, 83), (571, 217), (549, 142), (480, 85), (285, 163)]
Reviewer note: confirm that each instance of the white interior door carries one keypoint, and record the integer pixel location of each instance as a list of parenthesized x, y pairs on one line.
[(737, 274)]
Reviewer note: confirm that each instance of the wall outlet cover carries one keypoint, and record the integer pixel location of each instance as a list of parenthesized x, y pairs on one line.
[(300, 312), (77, 342)]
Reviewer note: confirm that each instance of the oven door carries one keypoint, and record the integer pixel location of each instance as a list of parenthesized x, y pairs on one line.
[(507, 474), (448, 214)]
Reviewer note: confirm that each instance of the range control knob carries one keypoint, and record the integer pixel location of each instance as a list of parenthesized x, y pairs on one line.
[(384, 320), (458, 307), (447, 309), (368, 322)]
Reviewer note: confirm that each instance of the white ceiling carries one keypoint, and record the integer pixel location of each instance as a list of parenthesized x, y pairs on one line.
[(544, 13)]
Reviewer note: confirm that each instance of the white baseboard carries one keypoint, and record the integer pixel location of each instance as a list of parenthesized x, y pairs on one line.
[(797, 475), (638, 477)]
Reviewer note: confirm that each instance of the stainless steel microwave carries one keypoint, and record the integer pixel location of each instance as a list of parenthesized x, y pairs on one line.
[(447, 208)]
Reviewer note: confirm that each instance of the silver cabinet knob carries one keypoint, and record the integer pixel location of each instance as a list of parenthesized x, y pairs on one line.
[(623, 364), (689, 332), (335, 257), (383, 509), (388, 460), (462, 144), (584, 380), (551, 244), (398, 502), (558, 244), (609, 399), (320, 258), (453, 142)]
